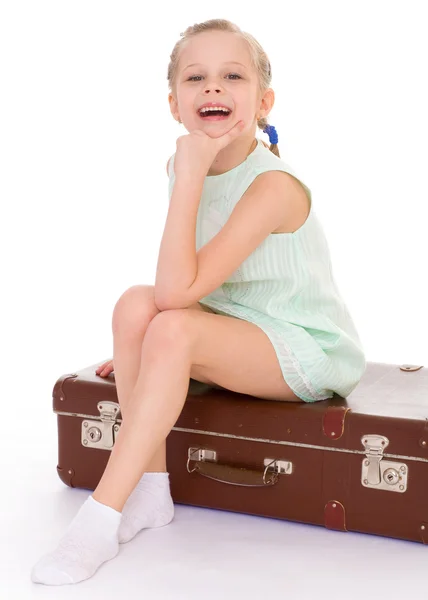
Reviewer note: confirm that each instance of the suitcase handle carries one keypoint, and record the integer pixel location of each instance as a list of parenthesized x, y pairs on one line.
[(229, 474)]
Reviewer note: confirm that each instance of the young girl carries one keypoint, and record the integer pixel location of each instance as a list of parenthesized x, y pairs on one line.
[(244, 296)]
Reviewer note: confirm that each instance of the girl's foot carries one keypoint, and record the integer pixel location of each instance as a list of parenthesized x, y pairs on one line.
[(149, 505), (90, 540)]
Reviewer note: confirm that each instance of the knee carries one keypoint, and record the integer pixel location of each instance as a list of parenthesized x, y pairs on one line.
[(171, 328), (134, 310)]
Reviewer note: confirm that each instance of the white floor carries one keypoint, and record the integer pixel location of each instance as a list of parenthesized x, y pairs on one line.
[(204, 554)]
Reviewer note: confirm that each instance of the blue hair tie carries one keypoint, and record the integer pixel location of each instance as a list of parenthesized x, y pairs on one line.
[(271, 131)]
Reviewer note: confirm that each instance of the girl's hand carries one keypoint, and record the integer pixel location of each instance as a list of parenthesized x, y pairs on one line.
[(105, 369), (196, 151)]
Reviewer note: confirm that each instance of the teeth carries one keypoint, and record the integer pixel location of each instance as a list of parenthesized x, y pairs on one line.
[(211, 108)]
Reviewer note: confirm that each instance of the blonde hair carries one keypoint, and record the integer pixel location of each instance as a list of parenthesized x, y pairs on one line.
[(259, 59)]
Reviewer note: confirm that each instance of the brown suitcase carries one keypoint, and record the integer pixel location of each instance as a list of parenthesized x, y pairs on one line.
[(355, 464)]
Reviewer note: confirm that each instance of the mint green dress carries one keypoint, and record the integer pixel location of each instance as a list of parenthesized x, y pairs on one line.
[(286, 287)]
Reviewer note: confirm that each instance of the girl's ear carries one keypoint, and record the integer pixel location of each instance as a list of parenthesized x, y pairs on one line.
[(173, 106)]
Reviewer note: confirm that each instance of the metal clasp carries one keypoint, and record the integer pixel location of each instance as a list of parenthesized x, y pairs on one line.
[(102, 433), (380, 473), (284, 467)]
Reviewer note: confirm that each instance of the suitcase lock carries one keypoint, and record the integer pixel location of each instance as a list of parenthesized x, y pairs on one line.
[(96, 434), (379, 473)]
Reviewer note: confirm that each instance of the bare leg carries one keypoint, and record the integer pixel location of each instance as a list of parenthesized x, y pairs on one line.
[(152, 410), (127, 348)]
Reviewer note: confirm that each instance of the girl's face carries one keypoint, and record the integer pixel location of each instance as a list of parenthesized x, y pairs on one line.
[(222, 74)]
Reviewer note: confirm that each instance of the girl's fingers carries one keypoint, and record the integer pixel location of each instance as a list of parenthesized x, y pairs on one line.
[(104, 372), (233, 132), (104, 367), (237, 127)]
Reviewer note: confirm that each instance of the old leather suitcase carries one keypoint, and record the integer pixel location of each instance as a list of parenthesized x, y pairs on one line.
[(355, 464)]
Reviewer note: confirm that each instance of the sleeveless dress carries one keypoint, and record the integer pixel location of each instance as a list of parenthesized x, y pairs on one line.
[(286, 287)]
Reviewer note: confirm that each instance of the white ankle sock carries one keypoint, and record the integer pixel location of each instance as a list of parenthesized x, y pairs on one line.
[(149, 505), (90, 540)]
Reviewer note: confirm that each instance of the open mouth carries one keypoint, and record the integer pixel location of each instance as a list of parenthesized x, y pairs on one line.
[(218, 114)]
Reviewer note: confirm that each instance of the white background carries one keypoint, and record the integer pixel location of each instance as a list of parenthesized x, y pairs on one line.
[(85, 134)]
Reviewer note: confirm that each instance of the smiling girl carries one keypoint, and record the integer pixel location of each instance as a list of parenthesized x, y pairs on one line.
[(244, 297)]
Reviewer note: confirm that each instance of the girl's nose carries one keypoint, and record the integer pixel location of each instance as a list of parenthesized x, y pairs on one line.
[(212, 87)]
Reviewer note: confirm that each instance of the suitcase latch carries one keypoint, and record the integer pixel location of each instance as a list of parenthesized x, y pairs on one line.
[(103, 432), (380, 473)]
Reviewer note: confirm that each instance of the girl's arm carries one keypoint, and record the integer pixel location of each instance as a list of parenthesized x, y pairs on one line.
[(177, 261), (184, 275), (177, 266)]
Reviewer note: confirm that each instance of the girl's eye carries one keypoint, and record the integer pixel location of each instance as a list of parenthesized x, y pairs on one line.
[(192, 78)]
